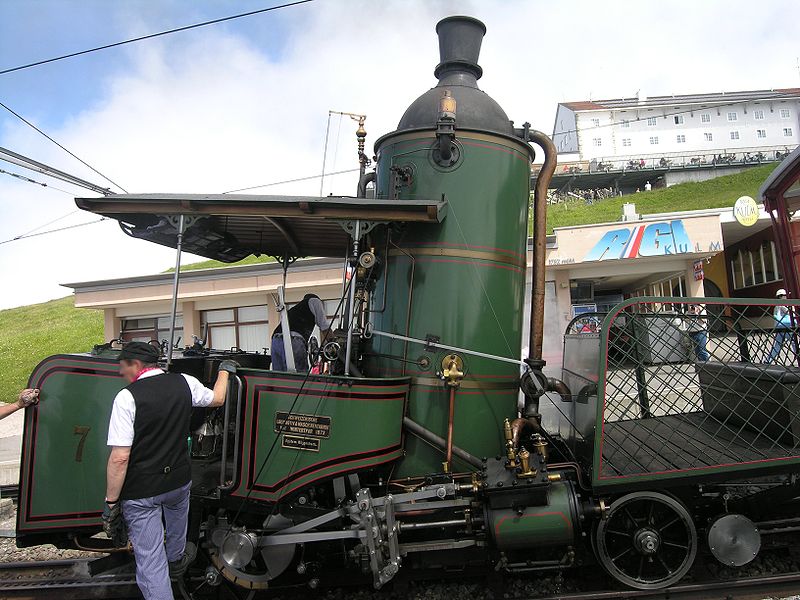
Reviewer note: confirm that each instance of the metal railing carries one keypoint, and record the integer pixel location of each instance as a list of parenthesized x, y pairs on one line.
[(674, 400)]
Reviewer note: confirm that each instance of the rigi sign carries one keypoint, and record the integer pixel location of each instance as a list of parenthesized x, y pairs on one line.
[(656, 239)]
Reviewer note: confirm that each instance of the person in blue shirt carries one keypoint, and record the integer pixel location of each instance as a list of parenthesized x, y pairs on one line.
[(783, 329)]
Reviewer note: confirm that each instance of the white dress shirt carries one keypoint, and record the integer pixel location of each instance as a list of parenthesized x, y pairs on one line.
[(123, 414)]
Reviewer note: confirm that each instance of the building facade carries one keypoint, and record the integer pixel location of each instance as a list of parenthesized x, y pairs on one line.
[(670, 126)]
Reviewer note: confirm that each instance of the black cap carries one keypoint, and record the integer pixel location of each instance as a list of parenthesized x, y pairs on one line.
[(147, 353)]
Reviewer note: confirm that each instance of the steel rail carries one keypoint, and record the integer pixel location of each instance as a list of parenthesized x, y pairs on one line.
[(733, 589)]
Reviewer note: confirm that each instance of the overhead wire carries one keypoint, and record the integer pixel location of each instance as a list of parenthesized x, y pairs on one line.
[(153, 35), (28, 163), (69, 214), (22, 237), (72, 154), (29, 180), (307, 178)]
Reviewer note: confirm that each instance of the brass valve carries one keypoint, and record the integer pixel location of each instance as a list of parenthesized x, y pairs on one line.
[(510, 450), (540, 445), (452, 370), (525, 464)]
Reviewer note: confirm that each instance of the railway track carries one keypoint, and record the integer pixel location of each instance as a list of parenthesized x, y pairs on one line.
[(746, 588), (70, 580), (64, 580)]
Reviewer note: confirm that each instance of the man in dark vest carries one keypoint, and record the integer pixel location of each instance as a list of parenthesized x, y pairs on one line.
[(303, 316), (149, 471)]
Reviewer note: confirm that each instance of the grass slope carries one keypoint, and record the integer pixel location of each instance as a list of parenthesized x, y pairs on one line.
[(714, 193), (213, 264), (30, 333)]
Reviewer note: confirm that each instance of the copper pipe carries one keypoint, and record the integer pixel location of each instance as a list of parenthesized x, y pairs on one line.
[(450, 418), (518, 426), (540, 242), (556, 385)]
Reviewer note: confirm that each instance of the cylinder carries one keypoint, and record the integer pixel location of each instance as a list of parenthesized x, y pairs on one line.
[(537, 526)]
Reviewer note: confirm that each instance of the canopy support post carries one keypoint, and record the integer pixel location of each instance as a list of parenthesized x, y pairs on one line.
[(351, 299), (175, 282)]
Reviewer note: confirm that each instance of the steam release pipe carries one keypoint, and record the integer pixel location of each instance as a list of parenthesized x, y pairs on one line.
[(540, 243)]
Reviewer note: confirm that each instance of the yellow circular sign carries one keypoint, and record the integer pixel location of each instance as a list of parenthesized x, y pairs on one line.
[(746, 211)]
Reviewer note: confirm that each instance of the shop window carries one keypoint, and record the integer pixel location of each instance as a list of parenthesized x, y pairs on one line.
[(756, 266), (736, 271)]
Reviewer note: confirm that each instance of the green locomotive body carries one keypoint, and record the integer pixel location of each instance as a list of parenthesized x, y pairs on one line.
[(413, 451)]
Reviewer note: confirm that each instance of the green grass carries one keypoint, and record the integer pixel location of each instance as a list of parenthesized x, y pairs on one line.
[(714, 193), (30, 333), (213, 264)]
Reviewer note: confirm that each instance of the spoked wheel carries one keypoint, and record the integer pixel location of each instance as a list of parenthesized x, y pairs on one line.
[(647, 540)]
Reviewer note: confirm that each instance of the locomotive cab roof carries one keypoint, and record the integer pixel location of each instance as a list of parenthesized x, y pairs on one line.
[(230, 227)]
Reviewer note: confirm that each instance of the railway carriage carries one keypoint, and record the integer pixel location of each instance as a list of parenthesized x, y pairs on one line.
[(413, 451)]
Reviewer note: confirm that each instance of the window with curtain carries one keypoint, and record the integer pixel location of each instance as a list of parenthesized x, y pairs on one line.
[(244, 327)]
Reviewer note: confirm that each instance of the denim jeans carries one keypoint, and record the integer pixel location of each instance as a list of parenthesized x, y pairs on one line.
[(700, 339), (278, 353), (781, 336)]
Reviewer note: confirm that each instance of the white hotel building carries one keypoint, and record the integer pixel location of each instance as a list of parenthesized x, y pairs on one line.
[(672, 126)]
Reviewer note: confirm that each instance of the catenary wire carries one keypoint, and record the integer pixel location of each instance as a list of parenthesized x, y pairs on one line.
[(72, 154), (29, 180), (290, 181), (153, 35), (43, 225), (25, 162), (22, 237)]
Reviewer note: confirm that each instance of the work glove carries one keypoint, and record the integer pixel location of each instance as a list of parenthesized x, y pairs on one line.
[(114, 524), (28, 397), (229, 365)]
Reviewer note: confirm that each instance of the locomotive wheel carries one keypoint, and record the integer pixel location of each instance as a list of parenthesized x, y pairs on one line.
[(647, 540)]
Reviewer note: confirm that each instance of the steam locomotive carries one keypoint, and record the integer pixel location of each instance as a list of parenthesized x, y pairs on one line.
[(426, 443)]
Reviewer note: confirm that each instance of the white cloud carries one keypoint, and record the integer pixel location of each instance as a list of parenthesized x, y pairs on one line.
[(209, 111)]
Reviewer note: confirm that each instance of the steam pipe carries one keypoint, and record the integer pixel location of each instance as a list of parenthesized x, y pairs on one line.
[(450, 418), (539, 243), (556, 385), (363, 181), (520, 426), (432, 438)]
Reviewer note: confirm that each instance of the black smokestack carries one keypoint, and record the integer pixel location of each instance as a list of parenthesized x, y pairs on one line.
[(459, 46)]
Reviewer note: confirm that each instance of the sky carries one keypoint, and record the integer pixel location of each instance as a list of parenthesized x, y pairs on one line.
[(246, 102)]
